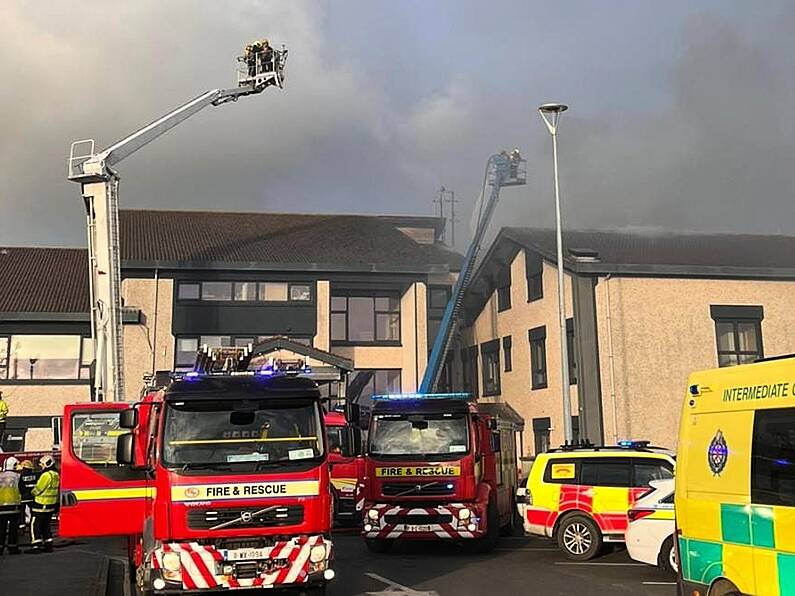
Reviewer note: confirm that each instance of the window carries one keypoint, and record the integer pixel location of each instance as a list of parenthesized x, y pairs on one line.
[(534, 272), (245, 291), (94, 437), (506, 352), (187, 347), (647, 470), (374, 382), (185, 357), (273, 291), (773, 457), (538, 357), (189, 291), (300, 292), (45, 357), (490, 352), (504, 289), (214, 291), (469, 362), (572, 353), (541, 428), (738, 333), (562, 471), (365, 319), (438, 297), (615, 471)]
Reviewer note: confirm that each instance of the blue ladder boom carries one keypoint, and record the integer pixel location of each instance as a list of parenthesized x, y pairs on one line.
[(503, 169)]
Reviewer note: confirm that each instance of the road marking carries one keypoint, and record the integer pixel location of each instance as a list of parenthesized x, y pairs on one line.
[(659, 583), (526, 549), (396, 588), (601, 564)]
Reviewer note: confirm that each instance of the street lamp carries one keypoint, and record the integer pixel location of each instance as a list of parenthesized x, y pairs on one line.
[(550, 114)]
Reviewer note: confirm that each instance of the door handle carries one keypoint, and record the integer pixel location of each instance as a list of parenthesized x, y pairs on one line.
[(68, 499)]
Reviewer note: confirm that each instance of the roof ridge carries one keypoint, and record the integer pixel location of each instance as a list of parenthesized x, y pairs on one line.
[(280, 213)]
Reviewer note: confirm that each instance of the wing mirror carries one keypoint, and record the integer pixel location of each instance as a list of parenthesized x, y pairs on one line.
[(128, 418), (125, 449)]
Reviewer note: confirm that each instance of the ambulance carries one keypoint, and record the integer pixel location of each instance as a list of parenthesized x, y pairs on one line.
[(580, 495), (735, 485)]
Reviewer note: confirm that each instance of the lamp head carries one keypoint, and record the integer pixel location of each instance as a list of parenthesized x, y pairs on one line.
[(553, 108)]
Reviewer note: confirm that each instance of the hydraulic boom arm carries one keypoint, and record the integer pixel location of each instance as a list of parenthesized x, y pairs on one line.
[(503, 169)]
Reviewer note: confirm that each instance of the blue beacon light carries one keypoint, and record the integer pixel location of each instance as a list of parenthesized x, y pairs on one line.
[(420, 396)]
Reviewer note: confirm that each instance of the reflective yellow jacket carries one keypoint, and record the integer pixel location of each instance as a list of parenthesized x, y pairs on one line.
[(46, 490)]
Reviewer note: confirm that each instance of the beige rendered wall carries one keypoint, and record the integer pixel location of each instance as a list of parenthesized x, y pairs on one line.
[(140, 343), (515, 386), (411, 357), (661, 331)]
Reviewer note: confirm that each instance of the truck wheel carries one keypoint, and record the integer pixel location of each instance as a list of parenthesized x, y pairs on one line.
[(314, 591), (378, 545), (579, 538), (667, 558)]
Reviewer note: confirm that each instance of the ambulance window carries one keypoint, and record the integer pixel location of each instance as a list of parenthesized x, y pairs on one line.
[(94, 437), (773, 457), (562, 471), (647, 471), (606, 472)]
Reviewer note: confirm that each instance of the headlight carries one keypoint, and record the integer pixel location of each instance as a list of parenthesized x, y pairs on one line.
[(171, 561), (373, 514), (464, 514), (317, 553)]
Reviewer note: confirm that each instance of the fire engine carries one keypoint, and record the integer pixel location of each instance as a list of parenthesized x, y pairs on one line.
[(346, 467), (220, 479), (440, 467)]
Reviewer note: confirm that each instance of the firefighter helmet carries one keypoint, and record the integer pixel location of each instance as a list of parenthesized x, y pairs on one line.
[(10, 465), (46, 462), (26, 465)]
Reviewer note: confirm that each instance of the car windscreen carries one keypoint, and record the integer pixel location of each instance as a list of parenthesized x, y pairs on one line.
[(419, 434), (232, 432)]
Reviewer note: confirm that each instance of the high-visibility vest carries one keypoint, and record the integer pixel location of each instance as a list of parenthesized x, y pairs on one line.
[(9, 489), (3, 411), (46, 490)]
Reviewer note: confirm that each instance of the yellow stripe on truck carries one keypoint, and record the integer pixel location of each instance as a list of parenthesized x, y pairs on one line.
[(252, 490), (418, 471), (104, 494)]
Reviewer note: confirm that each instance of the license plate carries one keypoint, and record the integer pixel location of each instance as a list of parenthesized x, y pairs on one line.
[(246, 554), (419, 528)]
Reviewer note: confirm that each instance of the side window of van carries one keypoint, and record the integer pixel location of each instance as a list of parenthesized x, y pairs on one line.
[(614, 471), (648, 470), (773, 457)]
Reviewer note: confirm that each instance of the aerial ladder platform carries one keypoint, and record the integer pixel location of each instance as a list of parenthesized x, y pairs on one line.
[(262, 67)]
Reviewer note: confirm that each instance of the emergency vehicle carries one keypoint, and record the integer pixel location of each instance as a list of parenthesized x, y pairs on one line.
[(220, 480), (580, 495), (346, 467), (440, 467), (735, 483)]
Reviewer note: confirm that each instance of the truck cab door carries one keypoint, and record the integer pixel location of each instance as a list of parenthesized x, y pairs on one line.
[(99, 496)]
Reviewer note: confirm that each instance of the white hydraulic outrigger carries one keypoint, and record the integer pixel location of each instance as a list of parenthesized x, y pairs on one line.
[(100, 189)]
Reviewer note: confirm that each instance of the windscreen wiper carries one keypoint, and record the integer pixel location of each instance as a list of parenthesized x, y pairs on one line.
[(204, 466)]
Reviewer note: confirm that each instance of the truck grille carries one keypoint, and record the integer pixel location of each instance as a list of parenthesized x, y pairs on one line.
[(390, 489), (203, 519), (418, 518)]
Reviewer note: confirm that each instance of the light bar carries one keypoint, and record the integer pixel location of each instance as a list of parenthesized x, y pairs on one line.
[(630, 444), (420, 396)]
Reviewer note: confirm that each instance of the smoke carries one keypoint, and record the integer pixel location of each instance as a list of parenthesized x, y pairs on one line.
[(678, 120)]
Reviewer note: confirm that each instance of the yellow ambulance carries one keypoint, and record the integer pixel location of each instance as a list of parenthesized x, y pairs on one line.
[(735, 481)]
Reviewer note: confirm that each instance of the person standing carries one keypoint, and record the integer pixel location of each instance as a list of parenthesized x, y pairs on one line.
[(28, 479), (3, 419), (10, 499), (45, 498)]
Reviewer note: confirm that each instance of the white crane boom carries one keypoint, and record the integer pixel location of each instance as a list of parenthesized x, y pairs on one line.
[(262, 68)]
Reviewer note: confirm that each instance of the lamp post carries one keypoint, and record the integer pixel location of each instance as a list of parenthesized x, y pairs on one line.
[(550, 114)]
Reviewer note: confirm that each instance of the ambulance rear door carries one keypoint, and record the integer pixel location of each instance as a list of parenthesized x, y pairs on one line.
[(99, 496)]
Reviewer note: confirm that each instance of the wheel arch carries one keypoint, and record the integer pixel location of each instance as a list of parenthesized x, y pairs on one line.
[(571, 513)]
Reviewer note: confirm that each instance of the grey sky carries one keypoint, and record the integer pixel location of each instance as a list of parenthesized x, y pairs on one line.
[(680, 119)]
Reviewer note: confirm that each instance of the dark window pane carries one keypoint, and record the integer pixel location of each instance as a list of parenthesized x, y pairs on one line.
[(746, 335), (646, 472), (748, 358), (535, 287), (216, 290), (187, 347), (438, 297), (188, 292), (605, 473), (338, 303), (773, 457), (300, 293), (387, 326), (242, 342), (727, 359), (360, 319), (387, 304), (338, 327), (273, 291), (504, 298), (725, 333), (216, 341), (245, 290)]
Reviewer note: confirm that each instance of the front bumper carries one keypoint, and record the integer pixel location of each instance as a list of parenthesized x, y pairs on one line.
[(205, 567), (387, 522)]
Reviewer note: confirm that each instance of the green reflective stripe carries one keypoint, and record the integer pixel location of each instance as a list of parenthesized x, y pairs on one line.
[(685, 560), (763, 526), (704, 561), (786, 574), (735, 524)]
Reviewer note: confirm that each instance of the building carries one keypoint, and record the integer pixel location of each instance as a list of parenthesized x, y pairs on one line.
[(355, 286), (643, 311)]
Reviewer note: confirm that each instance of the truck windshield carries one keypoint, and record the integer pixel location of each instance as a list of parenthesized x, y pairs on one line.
[(225, 432), (426, 434)]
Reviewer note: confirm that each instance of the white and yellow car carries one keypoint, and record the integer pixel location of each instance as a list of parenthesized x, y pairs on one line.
[(651, 530)]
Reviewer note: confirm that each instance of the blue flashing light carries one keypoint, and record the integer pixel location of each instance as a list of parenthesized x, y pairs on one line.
[(630, 444), (420, 396), (192, 375), (266, 372)]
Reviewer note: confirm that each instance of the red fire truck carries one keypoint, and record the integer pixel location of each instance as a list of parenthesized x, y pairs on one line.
[(346, 466), (440, 467), (220, 481)]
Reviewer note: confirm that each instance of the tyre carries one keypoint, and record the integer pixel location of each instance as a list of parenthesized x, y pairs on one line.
[(378, 545), (667, 558), (723, 587), (516, 526), (313, 591), (579, 537), (487, 543)]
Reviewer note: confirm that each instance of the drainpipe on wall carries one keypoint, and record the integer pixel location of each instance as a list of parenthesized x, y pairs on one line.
[(611, 359), (154, 322), (416, 342)]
